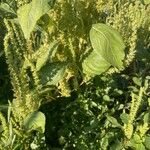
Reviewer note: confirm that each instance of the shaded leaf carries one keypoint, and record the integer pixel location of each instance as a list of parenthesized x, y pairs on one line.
[(52, 73), (30, 13), (45, 55), (117, 146), (137, 81), (35, 121), (6, 8)]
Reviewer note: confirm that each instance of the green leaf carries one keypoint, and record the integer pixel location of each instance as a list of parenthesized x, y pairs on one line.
[(35, 121), (108, 43), (30, 13), (137, 81), (45, 54), (94, 64), (52, 73), (124, 117), (113, 121), (147, 118), (139, 146), (106, 98), (137, 138), (147, 142), (6, 8)]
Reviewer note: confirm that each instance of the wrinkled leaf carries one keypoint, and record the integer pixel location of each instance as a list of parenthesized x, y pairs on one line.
[(45, 55), (108, 43), (35, 121), (52, 73), (30, 13)]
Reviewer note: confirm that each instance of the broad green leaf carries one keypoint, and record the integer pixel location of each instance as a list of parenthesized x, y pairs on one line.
[(6, 8), (137, 138), (52, 73), (45, 54), (139, 146), (30, 13), (35, 121), (124, 117), (136, 142), (94, 64), (147, 142), (108, 43), (113, 121)]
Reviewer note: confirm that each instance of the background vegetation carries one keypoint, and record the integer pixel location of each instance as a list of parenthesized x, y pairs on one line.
[(74, 74)]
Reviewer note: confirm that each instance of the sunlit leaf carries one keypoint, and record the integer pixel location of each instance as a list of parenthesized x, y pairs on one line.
[(108, 43), (30, 13), (94, 64)]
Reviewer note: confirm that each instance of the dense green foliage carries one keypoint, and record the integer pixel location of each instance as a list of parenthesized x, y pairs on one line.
[(74, 74)]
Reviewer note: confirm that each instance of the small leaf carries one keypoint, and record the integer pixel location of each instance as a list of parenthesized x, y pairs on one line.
[(147, 118), (108, 43), (117, 146), (52, 73), (30, 13), (113, 121), (45, 55), (106, 98), (35, 121), (137, 81), (124, 117)]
